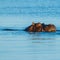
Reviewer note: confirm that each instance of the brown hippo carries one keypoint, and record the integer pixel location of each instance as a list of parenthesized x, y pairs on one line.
[(50, 28), (38, 27), (31, 28), (35, 27)]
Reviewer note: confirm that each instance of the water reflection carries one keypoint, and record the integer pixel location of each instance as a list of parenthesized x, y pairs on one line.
[(42, 37), (32, 46)]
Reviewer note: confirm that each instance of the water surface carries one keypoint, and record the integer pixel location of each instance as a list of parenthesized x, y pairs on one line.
[(21, 45)]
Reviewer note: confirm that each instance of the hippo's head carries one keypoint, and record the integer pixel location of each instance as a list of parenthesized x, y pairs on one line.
[(38, 25), (50, 28)]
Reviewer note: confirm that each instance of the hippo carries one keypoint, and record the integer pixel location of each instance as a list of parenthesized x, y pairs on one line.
[(35, 27), (50, 28), (41, 27)]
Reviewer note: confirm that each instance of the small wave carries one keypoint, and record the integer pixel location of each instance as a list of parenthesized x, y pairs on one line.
[(10, 29), (58, 30), (15, 31)]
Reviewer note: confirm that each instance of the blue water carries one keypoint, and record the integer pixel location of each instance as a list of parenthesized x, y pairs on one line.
[(21, 45), (29, 7)]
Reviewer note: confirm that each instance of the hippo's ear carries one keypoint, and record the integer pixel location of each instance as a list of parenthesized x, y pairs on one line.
[(33, 23)]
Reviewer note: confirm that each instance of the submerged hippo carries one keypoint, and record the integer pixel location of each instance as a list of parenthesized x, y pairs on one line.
[(35, 27), (50, 28), (41, 27)]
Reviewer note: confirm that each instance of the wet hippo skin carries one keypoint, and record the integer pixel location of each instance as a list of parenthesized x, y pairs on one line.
[(41, 27)]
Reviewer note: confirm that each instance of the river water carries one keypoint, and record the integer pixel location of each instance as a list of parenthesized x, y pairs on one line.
[(21, 45)]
